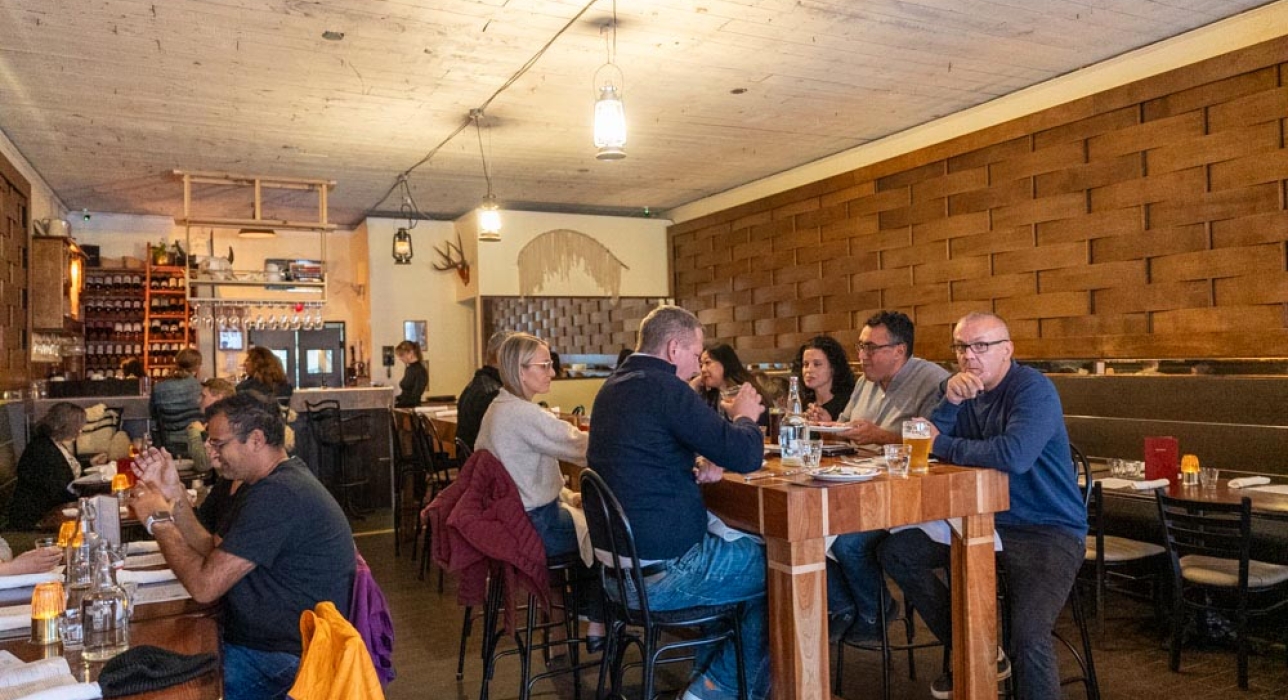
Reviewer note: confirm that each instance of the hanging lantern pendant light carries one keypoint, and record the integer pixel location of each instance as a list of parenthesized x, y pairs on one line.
[(610, 113), (488, 214)]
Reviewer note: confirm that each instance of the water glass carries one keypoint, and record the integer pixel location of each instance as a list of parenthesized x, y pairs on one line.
[(71, 629), (1117, 467), (813, 454), (1208, 477), (897, 457)]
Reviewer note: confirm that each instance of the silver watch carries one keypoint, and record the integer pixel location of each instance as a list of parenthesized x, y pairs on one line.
[(161, 516)]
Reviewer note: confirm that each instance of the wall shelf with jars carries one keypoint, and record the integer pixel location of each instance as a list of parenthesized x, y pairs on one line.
[(166, 326), (114, 310)]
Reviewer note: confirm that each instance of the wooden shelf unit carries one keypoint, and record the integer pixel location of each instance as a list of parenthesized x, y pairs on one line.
[(166, 327)]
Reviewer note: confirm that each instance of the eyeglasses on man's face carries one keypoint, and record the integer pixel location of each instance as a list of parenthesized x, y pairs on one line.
[(870, 348), (218, 445), (979, 347)]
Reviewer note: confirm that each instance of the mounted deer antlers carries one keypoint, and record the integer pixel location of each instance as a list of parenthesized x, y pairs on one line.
[(451, 261)]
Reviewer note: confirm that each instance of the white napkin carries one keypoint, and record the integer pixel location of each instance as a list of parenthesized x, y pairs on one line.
[(1114, 482), (24, 580), (142, 547), (76, 691), (447, 413), (1244, 482), (1149, 485), (145, 577), (14, 617), (1277, 488), (720, 529)]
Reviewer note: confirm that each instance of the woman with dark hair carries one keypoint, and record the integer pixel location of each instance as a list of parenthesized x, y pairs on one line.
[(415, 378), (721, 374), (826, 378), (265, 374), (47, 466)]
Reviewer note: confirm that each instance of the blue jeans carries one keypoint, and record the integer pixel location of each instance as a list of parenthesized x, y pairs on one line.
[(716, 572), (554, 525), (1040, 565), (854, 583), (251, 674)]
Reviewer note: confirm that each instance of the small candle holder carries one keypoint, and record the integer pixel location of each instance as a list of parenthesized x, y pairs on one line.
[(47, 604)]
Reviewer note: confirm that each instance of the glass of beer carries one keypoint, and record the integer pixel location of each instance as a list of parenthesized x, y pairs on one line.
[(916, 434)]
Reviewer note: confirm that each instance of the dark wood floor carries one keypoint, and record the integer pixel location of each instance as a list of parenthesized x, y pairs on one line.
[(1132, 658)]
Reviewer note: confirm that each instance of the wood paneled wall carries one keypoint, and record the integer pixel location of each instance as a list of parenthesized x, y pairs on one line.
[(571, 325), (15, 210), (1144, 221)]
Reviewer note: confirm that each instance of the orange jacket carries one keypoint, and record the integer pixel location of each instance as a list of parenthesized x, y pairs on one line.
[(335, 664)]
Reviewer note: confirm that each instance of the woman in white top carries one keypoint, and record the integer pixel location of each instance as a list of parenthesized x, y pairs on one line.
[(530, 441)]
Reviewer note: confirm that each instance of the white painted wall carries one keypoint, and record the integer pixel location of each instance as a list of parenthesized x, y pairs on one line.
[(418, 292), (639, 243)]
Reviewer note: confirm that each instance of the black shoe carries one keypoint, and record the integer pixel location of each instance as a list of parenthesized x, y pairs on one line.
[(594, 644), (942, 688), (838, 625)]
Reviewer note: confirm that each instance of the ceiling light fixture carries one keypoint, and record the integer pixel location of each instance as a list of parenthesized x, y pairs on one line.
[(610, 114), (489, 212), (257, 233), (402, 250)]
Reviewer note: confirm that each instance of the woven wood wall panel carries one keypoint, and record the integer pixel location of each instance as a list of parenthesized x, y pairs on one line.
[(15, 356), (581, 325), (1149, 220)]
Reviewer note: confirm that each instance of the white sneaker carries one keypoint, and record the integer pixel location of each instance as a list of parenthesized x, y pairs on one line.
[(942, 688)]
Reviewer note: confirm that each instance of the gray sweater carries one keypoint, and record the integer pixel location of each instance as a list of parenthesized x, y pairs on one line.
[(530, 441)]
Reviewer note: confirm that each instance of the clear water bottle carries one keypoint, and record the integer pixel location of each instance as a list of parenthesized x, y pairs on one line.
[(792, 430), (105, 613), (79, 572)]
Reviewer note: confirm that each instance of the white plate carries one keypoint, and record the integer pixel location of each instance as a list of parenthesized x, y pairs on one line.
[(828, 428), (846, 474)]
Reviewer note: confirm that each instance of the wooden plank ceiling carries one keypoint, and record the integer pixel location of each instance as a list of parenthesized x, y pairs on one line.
[(106, 96)]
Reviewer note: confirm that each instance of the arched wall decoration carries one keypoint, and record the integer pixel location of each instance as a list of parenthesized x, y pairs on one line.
[(557, 251)]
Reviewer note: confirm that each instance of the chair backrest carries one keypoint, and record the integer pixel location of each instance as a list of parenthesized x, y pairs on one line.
[(611, 532), (429, 451), (463, 451), (1222, 530), (1082, 466)]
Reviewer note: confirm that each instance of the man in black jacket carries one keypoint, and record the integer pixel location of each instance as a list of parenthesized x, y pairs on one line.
[(478, 394)]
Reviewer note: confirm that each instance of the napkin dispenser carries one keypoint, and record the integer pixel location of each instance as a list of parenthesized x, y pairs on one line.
[(1162, 458)]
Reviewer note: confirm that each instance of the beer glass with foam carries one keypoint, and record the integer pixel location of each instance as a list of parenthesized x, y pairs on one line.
[(916, 434)]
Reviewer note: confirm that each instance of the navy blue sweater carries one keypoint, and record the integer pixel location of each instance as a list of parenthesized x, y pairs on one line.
[(1018, 428), (647, 427)]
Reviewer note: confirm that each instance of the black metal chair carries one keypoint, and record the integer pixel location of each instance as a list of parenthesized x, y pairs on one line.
[(408, 465), (626, 601), (170, 427), (1209, 547), (1117, 563), (887, 647), (337, 434), (441, 469)]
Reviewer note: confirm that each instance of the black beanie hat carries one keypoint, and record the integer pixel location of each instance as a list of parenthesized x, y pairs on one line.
[(145, 668)]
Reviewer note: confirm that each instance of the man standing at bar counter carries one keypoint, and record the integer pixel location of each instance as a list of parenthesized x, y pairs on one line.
[(895, 386), (648, 425), (287, 548), (999, 414)]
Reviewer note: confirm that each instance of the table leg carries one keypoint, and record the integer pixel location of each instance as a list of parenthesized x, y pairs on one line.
[(797, 590), (974, 610)]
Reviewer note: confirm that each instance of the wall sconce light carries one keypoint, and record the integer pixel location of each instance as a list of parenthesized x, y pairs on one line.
[(610, 113), (402, 247), (489, 212)]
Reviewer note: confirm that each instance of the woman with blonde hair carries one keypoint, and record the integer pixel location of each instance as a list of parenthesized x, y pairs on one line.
[(530, 442)]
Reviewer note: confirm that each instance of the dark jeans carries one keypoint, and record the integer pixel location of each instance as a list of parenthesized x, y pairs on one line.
[(554, 525), (1040, 565), (854, 581), (251, 674)]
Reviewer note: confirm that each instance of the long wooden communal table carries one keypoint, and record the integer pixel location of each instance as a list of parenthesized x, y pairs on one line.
[(794, 514), (179, 626)]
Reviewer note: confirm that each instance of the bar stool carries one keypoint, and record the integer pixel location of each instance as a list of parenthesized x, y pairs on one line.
[(407, 464), (563, 569), (337, 434), (887, 647)]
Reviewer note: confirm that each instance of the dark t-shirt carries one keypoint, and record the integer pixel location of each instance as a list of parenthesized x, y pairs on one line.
[(216, 512), (474, 402), (300, 542), (414, 382)]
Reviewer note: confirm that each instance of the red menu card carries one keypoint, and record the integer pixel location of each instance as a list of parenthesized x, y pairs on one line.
[(1162, 458)]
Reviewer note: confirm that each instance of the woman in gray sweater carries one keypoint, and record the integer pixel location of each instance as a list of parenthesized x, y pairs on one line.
[(530, 442)]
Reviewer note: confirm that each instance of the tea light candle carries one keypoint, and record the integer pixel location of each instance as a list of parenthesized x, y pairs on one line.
[(47, 604)]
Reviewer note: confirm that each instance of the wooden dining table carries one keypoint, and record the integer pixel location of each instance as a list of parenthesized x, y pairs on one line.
[(794, 514), (1267, 505), (181, 626)]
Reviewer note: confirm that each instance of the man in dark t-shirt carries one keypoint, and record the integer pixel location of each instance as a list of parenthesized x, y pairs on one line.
[(287, 546)]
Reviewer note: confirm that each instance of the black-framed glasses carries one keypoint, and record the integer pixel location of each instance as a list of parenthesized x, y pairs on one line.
[(978, 347), (869, 348), (218, 445), (543, 365)]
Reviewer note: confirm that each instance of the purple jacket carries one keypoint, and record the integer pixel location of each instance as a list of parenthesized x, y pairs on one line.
[(369, 614)]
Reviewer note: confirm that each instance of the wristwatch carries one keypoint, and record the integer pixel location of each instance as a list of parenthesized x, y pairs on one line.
[(161, 516)]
